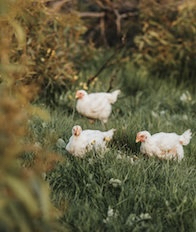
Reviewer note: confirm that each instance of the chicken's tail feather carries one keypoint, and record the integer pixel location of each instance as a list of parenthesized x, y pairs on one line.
[(109, 134), (114, 95), (186, 137)]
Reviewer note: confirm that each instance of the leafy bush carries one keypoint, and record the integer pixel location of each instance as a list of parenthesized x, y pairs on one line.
[(158, 35), (44, 47), (166, 45), (52, 49), (24, 195)]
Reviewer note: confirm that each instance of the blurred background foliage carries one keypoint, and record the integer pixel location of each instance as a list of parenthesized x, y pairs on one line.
[(166, 45), (25, 203), (24, 195), (61, 45)]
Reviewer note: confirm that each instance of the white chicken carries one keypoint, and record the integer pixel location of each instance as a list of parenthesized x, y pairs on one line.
[(164, 145), (83, 141), (96, 105)]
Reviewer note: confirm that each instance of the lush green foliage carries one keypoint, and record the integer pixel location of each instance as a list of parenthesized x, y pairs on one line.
[(158, 35), (42, 46), (48, 47), (166, 44), (24, 195)]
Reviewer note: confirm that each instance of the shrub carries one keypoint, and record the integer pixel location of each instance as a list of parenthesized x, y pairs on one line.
[(24, 195), (42, 47), (166, 45)]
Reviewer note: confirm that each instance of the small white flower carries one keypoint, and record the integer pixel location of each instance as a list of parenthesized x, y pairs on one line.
[(119, 156), (44, 124), (111, 214), (185, 117), (145, 216), (162, 112), (115, 182), (186, 97), (133, 218), (154, 114)]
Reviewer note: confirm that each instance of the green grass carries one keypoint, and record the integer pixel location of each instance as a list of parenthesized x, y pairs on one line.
[(153, 195)]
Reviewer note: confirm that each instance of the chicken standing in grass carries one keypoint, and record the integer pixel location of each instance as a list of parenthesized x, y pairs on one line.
[(96, 105), (163, 145), (83, 141)]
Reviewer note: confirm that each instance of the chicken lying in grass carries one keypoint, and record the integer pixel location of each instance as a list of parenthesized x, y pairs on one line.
[(83, 141), (163, 145), (96, 105)]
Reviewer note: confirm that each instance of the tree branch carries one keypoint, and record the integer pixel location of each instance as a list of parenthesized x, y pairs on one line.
[(91, 79)]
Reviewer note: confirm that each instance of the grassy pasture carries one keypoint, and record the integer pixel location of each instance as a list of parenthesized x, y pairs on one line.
[(122, 190)]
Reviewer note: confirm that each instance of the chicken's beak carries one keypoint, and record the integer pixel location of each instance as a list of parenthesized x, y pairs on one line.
[(76, 96), (77, 132), (137, 139)]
